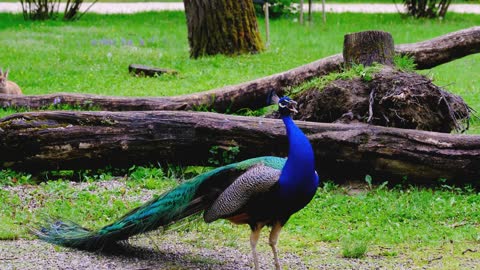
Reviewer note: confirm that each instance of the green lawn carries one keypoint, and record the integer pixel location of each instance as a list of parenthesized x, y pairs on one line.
[(92, 55)]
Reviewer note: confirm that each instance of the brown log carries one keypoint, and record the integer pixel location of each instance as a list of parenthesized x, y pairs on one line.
[(368, 47), (443, 49), (142, 70), (253, 94), (79, 140)]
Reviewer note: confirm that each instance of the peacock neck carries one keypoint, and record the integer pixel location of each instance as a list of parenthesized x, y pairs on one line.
[(298, 174)]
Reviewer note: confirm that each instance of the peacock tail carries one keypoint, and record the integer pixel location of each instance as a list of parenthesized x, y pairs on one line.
[(190, 197)]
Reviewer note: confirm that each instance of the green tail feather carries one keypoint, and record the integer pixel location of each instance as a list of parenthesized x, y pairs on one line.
[(187, 199)]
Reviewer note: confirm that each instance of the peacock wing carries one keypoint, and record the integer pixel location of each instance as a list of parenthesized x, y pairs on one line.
[(256, 180), (210, 185)]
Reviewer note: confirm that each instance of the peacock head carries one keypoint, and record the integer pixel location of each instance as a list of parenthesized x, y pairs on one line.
[(286, 106)]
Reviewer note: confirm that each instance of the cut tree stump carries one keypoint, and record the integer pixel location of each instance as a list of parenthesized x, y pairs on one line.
[(141, 70), (87, 140), (252, 94), (368, 47)]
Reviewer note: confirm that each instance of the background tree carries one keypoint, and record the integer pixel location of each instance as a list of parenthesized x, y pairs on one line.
[(222, 27), (427, 8), (276, 8), (50, 9)]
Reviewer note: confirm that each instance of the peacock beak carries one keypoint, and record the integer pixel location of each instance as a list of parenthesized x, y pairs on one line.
[(292, 106)]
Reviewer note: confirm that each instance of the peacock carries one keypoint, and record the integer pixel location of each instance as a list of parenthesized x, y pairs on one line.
[(262, 191)]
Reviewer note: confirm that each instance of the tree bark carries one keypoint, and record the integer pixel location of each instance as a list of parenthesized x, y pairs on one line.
[(80, 140), (252, 94), (309, 11), (301, 12), (368, 47), (222, 27)]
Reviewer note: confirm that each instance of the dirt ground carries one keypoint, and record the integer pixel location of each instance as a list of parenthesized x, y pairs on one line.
[(33, 254)]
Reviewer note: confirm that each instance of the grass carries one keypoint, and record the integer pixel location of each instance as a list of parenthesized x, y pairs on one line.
[(395, 222), (92, 55), (354, 247), (391, 217), (357, 71)]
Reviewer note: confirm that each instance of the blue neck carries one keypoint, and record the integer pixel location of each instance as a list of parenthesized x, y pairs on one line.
[(298, 175)]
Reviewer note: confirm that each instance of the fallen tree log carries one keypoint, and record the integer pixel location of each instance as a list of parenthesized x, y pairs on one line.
[(442, 49), (253, 94), (146, 71), (86, 140)]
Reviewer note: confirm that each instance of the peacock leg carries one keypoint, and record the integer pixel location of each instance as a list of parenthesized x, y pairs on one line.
[(253, 242), (274, 234)]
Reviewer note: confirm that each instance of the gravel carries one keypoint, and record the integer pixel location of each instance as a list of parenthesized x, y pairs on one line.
[(169, 254)]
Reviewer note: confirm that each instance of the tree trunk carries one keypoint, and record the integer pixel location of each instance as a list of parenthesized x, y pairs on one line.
[(310, 11), (324, 16), (368, 47), (266, 11), (427, 54), (88, 140), (222, 27), (301, 12)]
